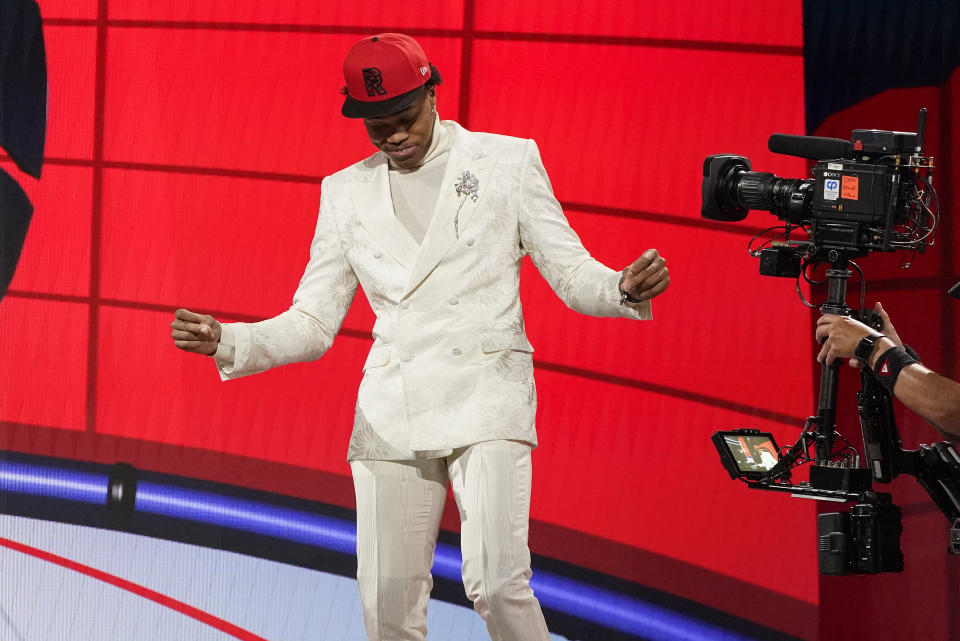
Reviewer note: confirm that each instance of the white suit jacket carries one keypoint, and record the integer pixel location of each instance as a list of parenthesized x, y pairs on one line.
[(450, 363)]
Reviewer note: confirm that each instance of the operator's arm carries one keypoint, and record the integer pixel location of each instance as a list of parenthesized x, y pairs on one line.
[(932, 396)]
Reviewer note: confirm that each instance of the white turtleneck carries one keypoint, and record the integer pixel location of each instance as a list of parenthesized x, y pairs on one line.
[(415, 191)]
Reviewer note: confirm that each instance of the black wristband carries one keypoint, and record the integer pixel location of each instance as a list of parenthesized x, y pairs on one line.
[(889, 366), (911, 351)]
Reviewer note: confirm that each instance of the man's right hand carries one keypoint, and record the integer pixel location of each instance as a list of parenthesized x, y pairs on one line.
[(195, 333)]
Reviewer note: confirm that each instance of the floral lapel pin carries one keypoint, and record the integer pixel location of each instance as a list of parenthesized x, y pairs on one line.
[(467, 186)]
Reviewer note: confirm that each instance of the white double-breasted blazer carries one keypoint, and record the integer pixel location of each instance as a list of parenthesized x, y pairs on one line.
[(450, 363)]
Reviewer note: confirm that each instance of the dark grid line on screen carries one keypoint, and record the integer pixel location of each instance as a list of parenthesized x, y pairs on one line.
[(560, 368), (93, 326), (945, 194), (467, 35), (912, 283), (313, 179), (948, 315), (466, 63)]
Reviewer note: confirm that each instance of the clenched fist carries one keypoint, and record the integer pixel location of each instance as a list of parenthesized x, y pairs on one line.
[(195, 333), (646, 277)]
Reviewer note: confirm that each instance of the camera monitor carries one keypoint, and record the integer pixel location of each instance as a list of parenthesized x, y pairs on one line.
[(747, 454)]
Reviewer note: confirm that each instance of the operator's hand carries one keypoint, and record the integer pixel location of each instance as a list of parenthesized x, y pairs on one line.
[(646, 277), (839, 336), (195, 333)]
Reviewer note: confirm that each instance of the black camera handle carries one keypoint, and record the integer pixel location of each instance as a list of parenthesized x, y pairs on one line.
[(836, 303), (826, 416)]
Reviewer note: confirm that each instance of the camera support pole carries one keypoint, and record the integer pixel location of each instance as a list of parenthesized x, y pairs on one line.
[(836, 303)]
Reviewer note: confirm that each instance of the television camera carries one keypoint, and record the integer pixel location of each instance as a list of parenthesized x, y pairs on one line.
[(871, 193)]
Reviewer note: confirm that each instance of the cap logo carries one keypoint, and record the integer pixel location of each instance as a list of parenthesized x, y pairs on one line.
[(424, 70), (373, 80)]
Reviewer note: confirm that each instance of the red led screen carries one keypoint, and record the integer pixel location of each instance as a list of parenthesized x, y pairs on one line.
[(71, 66), (325, 16), (199, 188), (68, 9), (56, 259), (743, 23)]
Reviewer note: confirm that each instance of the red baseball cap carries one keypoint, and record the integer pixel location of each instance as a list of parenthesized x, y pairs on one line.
[(384, 74)]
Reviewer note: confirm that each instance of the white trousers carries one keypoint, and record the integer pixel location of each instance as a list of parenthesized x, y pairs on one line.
[(399, 505)]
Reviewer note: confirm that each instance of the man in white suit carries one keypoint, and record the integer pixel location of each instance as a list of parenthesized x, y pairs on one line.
[(434, 226)]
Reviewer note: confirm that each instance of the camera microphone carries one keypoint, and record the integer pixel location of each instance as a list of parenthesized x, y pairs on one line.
[(812, 147)]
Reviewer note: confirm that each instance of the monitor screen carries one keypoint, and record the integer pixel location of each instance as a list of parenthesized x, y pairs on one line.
[(747, 453)]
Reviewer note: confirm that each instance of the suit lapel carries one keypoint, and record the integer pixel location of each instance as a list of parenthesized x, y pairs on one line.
[(453, 211), (375, 210)]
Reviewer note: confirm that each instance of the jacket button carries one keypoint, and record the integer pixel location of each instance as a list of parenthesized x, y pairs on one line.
[(453, 300), (456, 351), (469, 242), (404, 304), (406, 358), (378, 254)]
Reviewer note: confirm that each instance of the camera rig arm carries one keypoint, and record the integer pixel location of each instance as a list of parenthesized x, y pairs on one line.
[(881, 439), (936, 467)]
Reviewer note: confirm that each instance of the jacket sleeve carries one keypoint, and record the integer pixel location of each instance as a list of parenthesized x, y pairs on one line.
[(306, 330), (584, 284)]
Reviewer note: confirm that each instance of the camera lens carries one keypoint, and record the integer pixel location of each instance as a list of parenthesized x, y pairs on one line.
[(730, 190)]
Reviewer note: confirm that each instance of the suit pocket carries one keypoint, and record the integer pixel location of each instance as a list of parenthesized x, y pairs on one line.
[(378, 357), (504, 339)]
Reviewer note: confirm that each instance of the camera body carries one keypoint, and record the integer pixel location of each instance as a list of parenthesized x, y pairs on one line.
[(869, 194)]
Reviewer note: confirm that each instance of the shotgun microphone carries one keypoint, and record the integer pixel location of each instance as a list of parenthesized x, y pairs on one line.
[(812, 147)]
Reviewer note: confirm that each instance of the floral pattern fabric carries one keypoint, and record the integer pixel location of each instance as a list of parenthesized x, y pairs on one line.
[(450, 364)]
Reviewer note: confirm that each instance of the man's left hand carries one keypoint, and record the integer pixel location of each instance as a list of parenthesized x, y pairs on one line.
[(646, 277)]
